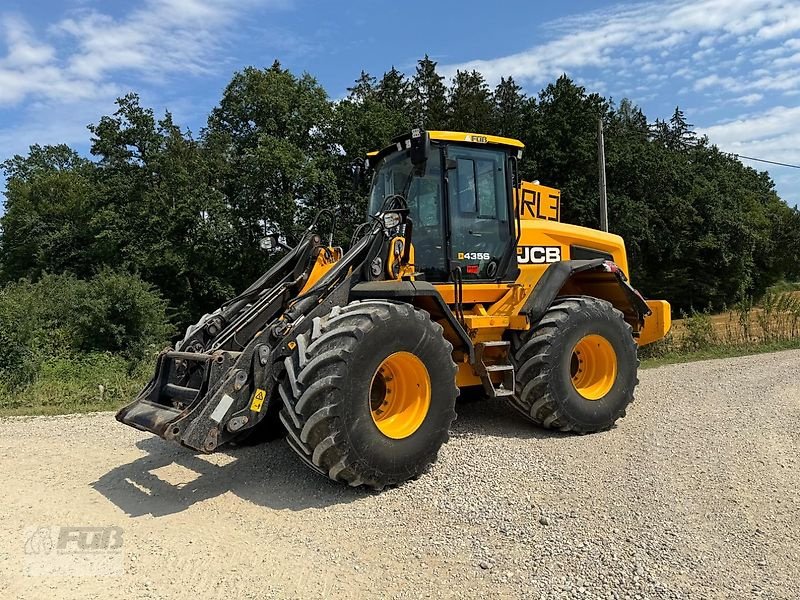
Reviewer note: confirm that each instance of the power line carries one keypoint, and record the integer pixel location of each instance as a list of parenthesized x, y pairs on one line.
[(764, 160)]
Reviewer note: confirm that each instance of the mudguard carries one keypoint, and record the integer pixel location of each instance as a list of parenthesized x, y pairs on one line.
[(596, 277)]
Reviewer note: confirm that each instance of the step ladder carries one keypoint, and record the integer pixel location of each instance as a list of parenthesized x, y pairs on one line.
[(500, 364)]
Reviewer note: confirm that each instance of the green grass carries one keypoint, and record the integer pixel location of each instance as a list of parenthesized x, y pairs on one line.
[(722, 351), (785, 286), (94, 382), (67, 386)]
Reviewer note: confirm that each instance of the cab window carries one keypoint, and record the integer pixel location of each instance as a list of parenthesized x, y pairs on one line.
[(395, 175)]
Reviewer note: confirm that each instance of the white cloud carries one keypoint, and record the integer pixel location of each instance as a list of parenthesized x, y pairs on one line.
[(23, 50), (713, 54), (772, 135), (715, 81), (40, 128), (787, 61), (178, 35), (610, 39), (786, 22), (85, 51), (55, 81), (750, 99), (765, 128), (27, 66)]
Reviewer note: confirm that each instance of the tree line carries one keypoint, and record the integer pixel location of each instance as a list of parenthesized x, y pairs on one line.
[(183, 211)]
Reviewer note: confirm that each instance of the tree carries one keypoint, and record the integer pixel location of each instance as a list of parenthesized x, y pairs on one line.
[(471, 102), (392, 92), (363, 89), (561, 143), (371, 115), (675, 134), (270, 143), (185, 214), (428, 97), (50, 195), (155, 180), (510, 108)]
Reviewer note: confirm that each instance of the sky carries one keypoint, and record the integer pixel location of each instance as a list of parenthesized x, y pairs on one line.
[(733, 66)]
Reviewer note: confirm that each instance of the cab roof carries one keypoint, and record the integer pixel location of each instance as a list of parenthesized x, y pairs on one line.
[(451, 136)]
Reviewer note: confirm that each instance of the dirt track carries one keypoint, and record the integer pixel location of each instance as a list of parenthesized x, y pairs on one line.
[(694, 494)]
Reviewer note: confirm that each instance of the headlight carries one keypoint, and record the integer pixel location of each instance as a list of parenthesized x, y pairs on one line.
[(391, 220), (268, 243)]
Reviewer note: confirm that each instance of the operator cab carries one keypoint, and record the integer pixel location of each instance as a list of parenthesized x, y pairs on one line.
[(459, 194)]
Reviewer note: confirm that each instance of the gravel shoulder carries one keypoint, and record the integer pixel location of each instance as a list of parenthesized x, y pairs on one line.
[(693, 495)]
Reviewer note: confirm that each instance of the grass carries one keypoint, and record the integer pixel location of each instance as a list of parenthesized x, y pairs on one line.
[(94, 382), (719, 352), (772, 325)]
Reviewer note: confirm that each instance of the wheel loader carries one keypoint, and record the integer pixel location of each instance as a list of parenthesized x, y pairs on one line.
[(462, 278)]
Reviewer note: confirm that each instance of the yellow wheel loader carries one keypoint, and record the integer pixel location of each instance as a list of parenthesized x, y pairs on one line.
[(462, 277)]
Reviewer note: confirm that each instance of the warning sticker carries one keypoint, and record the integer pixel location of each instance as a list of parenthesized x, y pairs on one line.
[(258, 400)]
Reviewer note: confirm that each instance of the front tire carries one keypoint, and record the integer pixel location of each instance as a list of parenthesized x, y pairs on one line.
[(576, 369), (369, 393)]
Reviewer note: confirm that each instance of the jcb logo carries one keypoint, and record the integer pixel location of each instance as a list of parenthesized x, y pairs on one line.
[(537, 255)]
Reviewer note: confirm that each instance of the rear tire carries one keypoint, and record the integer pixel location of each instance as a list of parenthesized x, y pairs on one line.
[(576, 369), (369, 393)]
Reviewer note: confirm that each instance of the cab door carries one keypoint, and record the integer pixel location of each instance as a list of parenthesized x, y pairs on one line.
[(478, 207)]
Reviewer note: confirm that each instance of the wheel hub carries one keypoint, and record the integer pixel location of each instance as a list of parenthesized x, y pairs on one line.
[(400, 395), (593, 367)]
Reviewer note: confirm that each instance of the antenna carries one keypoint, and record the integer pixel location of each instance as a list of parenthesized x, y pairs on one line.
[(601, 165)]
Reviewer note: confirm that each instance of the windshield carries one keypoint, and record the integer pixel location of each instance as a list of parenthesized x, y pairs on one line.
[(423, 193), (391, 177)]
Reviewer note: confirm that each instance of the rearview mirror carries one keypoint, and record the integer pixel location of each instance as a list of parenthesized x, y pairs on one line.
[(420, 149), (357, 168)]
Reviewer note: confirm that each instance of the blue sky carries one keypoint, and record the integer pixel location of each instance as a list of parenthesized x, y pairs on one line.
[(732, 65)]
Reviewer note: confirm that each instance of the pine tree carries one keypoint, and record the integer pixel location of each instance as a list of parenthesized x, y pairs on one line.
[(471, 102), (392, 91), (509, 109), (675, 134), (630, 117), (428, 97), (680, 132), (363, 88)]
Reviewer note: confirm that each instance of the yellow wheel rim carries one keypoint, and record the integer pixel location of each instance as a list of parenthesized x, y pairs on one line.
[(593, 366), (400, 395)]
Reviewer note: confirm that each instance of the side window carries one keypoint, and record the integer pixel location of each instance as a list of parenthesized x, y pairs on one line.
[(487, 192), (477, 187), (467, 200)]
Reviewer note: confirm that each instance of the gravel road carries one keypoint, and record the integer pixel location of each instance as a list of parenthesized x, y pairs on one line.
[(693, 495)]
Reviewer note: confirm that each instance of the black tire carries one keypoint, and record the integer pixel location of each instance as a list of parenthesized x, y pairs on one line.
[(326, 393), (544, 365)]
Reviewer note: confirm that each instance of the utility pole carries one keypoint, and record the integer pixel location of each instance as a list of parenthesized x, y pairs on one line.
[(601, 165)]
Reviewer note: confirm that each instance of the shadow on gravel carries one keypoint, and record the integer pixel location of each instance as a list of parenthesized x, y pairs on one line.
[(268, 475), (488, 416)]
